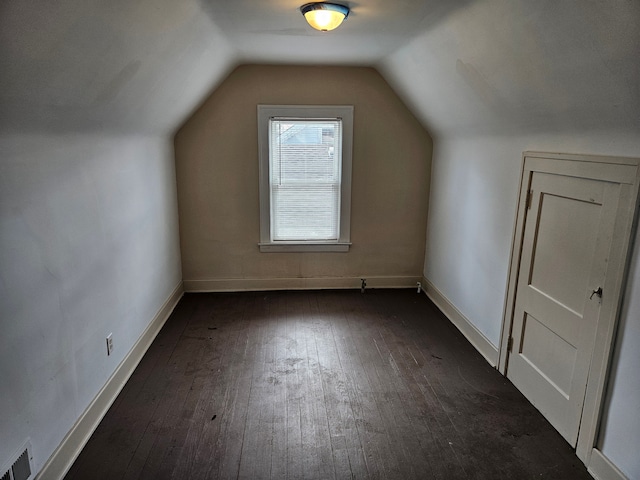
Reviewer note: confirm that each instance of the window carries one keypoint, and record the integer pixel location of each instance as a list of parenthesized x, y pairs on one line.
[(305, 178)]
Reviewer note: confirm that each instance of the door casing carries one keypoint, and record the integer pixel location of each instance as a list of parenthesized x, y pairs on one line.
[(625, 172)]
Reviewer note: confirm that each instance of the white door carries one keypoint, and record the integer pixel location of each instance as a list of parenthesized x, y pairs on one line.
[(567, 237), (570, 224)]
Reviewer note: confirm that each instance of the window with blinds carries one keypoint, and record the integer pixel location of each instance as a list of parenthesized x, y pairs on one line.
[(305, 177), (305, 160)]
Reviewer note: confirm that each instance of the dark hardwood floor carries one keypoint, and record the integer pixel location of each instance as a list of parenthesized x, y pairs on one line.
[(319, 385)]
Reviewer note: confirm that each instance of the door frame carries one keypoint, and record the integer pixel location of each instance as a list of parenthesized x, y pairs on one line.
[(625, 172)]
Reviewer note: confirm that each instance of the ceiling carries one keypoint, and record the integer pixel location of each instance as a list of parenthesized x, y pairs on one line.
[(275, 31), (463, 66)]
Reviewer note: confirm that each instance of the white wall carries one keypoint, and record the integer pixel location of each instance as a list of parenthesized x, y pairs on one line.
[(620, 434), (471, 218), (88, 246)]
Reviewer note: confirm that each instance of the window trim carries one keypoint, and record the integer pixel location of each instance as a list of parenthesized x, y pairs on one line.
[(345, 112)]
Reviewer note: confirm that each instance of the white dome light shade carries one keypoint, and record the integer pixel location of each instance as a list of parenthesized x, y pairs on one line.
[(324, 16)]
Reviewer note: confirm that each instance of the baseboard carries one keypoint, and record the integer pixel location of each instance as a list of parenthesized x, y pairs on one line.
[(475, 336), (601, 468), (62, 459), (319, 283)]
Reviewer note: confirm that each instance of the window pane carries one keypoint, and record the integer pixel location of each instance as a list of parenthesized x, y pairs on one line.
[(305, 169)]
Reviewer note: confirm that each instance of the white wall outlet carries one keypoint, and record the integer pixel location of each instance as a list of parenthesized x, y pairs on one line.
[(109, 343)]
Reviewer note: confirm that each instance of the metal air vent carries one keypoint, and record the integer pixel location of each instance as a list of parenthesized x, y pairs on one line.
[(20, 466)]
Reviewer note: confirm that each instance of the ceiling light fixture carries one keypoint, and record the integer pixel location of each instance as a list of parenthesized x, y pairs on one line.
[(324, 16)]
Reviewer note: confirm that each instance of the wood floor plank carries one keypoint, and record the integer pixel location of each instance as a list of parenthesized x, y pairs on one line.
[(319, 385), (225, 400)]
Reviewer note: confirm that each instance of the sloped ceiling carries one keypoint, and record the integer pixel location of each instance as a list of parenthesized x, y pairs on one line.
[(118, 66), (463, 66), (504, 67)]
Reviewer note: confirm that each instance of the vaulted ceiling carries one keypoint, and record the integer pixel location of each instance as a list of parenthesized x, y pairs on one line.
[(464, 66)]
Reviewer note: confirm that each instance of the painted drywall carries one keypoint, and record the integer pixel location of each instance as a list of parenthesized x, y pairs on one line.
[(217, 174), (88, 246), (521, 67), (93, 66), (471, 218), (620, 430)]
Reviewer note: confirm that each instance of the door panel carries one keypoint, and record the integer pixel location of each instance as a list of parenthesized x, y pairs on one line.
[(567, 236), (561, 259), (552, 356), (551, 313)]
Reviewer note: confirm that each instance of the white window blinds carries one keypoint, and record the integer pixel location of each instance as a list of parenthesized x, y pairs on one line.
[(305, 165)]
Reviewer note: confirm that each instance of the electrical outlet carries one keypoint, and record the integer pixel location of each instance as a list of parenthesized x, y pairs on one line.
[(109, 343)]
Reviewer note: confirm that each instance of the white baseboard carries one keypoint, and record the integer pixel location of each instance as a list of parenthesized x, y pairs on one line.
[(601, 468), (62, 459), (319, 283), (475, 336)]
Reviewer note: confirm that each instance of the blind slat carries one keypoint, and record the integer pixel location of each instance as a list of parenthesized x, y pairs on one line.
[(305, 169)]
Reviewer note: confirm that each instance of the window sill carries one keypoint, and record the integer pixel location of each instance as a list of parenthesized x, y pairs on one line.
[(303, 247)]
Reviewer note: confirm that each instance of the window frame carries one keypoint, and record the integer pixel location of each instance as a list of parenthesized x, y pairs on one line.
[(311, 112)]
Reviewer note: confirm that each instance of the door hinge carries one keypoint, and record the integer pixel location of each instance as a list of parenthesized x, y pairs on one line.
[(529, 199), (510, 345)]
